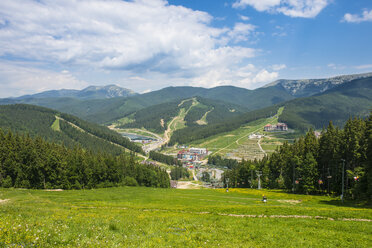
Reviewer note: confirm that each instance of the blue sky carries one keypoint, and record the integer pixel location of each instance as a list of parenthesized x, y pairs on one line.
[(150, 44)]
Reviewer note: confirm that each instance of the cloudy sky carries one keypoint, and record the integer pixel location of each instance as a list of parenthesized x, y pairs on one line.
[(150, 44)]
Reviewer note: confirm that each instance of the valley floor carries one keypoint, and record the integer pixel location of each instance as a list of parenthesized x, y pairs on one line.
[(149, 217)]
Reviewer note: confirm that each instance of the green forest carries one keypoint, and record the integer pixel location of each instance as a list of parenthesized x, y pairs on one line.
[(37, 121), (312, 166), (179, 172), (150, 118), (27, 162), (192, 133), (169, 160)]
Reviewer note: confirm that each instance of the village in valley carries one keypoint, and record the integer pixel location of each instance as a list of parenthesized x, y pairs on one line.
[(252, 143)]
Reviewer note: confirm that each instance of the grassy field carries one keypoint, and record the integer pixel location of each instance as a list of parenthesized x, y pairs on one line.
[(235, 144), (149, 217), (55, 126)]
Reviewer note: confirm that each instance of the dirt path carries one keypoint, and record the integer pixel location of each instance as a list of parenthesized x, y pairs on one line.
[(4, 201), (259, 145), (187, 185), (246, 135), (169, 129), (194, 176), (229, 214)]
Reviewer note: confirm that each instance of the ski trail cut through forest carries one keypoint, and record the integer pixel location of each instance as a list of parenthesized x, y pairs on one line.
[(84, 131), (203, 120), (169, 131)]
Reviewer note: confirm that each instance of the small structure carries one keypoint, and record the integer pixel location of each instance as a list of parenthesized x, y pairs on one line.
[(255, 136), (317, 134), (277, 127), (193, 154), (138, 138), (200, 151)]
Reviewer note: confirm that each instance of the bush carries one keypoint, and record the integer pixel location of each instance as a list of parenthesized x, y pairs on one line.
[(130, 181), (7, 182)]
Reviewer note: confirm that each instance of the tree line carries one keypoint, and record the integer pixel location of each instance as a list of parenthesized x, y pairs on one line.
[(179, 172), (218, 161), (27, 162), (316, 165), (37, 121), (169, 160), (102, 132)]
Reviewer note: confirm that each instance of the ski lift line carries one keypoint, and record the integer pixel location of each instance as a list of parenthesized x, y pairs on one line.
[(272, 119)]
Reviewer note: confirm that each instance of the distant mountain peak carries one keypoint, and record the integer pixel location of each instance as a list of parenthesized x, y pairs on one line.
[(90, 92), (107, 91), (308, 87)]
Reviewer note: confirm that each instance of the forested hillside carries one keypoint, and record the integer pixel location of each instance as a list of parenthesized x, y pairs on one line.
[(106, 111), (312, 165), (27, 162), (338, 104), (155, 118), (38, 121), (188, 134)]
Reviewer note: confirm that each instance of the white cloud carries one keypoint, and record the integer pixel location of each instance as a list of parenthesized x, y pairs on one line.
[(260, 5), (366, 16), (292, 8), (133, 33), (248, 76), (362, 67), (278, 67), (137, 78), (241, 31), (244, 18), (280, 31), (20, 79), (136, 36), (332, 65), (146, 91), (265, 77)]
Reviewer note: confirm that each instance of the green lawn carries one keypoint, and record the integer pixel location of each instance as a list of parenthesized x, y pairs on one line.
[(149, 217)]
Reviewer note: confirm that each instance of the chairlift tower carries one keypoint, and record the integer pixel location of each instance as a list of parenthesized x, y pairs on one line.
[(259, 174), (343, 180)]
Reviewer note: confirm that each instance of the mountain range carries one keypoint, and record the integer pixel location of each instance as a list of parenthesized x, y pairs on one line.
[(307, 103), (91, 92), (308, 87)]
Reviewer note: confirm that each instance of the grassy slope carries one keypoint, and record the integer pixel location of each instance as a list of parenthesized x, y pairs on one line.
[(55, 126), (148, 217), (236, 142)]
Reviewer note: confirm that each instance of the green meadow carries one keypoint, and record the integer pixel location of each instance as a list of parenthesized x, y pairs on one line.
[(149, 217)]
